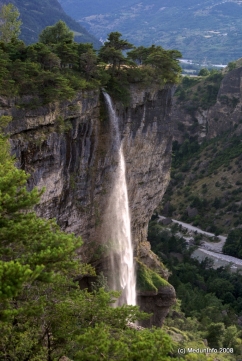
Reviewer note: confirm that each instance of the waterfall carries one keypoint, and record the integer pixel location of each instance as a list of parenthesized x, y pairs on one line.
[(117, 224)]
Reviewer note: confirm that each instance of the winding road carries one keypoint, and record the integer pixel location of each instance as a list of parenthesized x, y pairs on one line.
[(211, 249)]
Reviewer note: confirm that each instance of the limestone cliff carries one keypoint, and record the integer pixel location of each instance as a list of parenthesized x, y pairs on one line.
[(67, 148), (216, 119), (226, 113)]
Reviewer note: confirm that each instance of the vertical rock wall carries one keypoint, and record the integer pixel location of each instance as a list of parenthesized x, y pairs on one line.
[(67, 148), (224, 115)]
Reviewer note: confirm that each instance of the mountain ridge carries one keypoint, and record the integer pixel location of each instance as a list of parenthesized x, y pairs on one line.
[(201, 31), (36, 16)]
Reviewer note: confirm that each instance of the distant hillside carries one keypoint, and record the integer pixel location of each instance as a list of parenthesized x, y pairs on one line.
[(206, 182), (36, 15), (205, 188), (202, 30), (207, 106)]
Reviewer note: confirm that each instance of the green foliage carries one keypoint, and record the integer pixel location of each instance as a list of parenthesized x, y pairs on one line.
[(30, 248), (58, 33), (48, 72), (148, 280), (122, 345), (233, 244), (183, 152), (231, 65), (215, 335), (140, 54), (203, 72), (62, 126), (205, 94), (9, 23), (57, 67), (142, 65), (165, 62), (209, 297), (50, 324), (231, 149), (41, 53), (4, 120), (112, 51), (211, 163), (163, 242), (100, 282), (87, 61), (119, 89)]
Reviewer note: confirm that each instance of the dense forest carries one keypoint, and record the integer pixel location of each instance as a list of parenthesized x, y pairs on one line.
[(211, 299), (57, 67)]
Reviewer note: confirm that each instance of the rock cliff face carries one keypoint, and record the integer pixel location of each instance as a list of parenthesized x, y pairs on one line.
[(193, 123), (226, 113), (221, 117), (67, 148)]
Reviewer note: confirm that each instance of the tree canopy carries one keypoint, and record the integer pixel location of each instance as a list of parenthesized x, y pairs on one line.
[(55, 34), (9, 23), (56, 67), (112, 51), (233, 244)]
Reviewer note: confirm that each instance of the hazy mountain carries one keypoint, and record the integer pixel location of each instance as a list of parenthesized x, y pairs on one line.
[(201, 30), (36, 15)]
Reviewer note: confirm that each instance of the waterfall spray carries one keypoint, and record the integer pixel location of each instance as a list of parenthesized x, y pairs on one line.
[(118, 222)]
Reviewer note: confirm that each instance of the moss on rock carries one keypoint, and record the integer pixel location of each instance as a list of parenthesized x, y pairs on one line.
[(148, 280)]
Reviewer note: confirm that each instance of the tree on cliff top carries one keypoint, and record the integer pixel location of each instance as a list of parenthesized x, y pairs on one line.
[(9, 23), (112, 51), (55, 34)]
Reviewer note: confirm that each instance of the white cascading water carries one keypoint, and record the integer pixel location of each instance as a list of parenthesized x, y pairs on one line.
[(118, 225)]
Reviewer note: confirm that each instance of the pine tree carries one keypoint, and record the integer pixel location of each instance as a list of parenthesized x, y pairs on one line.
[(9, 23), (112, 51), (55, 34), (31, 248)]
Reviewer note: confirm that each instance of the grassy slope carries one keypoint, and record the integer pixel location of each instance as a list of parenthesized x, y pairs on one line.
[(206, 177), (209, 180)]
